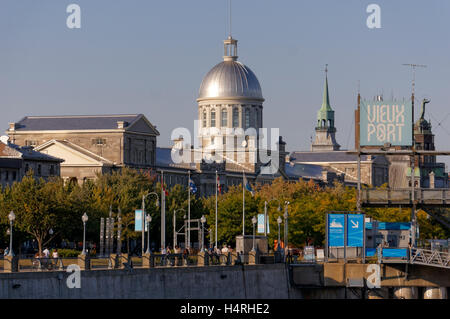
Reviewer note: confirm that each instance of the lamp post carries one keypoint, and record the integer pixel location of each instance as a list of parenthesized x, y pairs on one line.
[(143, 216), (148, 220), (175, 225), (12, 218), (203, 221), (84, 218), (279, 221), (119, 230), (254, 226), (286, 229)]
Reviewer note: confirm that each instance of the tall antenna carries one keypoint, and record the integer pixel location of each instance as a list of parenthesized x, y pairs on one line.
[(229, 14), (414, 66)]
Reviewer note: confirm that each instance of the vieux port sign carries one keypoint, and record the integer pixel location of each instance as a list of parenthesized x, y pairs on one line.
[(384, 122)]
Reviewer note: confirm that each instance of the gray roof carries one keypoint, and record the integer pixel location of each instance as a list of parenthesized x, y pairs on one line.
[(28, 153), (75, 122), (330, 156), (164, 159), (304, 170)]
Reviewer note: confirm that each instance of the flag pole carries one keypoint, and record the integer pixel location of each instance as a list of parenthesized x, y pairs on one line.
[(163, 212), (189, 211), (243, 204), (216, 211)]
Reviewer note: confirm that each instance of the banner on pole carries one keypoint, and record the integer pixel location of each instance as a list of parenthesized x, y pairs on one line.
[(138, 220), (261, 224)]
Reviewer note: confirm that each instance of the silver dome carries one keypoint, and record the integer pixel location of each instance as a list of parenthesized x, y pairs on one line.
[(230, 79)]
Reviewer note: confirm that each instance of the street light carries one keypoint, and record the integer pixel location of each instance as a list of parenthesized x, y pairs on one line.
[(286, 229), (148, 219), (119, 231), (279, 221), (12, 218), (203, 221), (254, 225), (84, 218), (143, 215)]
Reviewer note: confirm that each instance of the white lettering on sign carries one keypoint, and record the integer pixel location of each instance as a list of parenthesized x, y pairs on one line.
[(373, 280), (385, 122)]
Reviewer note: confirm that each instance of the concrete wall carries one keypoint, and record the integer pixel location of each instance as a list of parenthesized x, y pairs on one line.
[(259, 281)]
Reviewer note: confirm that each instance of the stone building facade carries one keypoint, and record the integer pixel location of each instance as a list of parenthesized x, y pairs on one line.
[(90, 144), (16, 161)]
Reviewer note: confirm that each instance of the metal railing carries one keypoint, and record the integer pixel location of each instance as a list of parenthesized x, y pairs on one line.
[(32, 264), (429, 257), (402, 196)]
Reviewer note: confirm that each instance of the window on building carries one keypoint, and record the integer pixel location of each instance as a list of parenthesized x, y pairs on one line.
[(247, 118), (52, 169), (39, 169), (213, 118), (31, 143), (204, 124), (99, 141), (235, 117), (224, 118)]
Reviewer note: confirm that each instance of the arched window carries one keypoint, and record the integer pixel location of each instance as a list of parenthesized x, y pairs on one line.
[(235, 117), (224, 118), (324, 123), (213, 118), (329, 123)]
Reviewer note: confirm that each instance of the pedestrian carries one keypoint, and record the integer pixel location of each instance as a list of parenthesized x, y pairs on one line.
[(55, 254), (46, 252), (6, 252), (185, 256)]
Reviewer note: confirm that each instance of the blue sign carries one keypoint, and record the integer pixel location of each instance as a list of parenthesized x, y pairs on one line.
[(138, 220), (385, 122), (261, 224), (355, 230), (395, 252), (336, 230)]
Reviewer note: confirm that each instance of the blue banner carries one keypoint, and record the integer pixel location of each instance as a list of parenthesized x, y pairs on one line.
[(138, 220), (260, 228), (355, 230), (385, 122), (336, 230)]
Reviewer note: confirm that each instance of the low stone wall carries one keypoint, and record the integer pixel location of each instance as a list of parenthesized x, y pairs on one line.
[(240, 282)]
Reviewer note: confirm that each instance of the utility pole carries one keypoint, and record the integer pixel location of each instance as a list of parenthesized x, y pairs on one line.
[(413, 159)]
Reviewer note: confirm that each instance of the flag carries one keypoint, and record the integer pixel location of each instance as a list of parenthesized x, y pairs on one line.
[(248, 186), (219, 188), (192, 186)]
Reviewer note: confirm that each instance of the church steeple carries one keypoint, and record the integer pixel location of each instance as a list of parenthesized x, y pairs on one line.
[(325, 130), (325, 116)]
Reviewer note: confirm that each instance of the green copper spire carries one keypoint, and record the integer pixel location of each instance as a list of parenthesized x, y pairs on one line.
[(325, 116)]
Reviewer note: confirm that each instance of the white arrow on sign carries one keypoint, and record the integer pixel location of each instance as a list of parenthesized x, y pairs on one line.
[(355, 225)]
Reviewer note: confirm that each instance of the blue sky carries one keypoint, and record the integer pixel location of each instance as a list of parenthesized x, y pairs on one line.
[(149, 56)]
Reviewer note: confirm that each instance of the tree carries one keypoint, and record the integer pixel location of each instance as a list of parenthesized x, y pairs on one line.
[(39, 206)]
